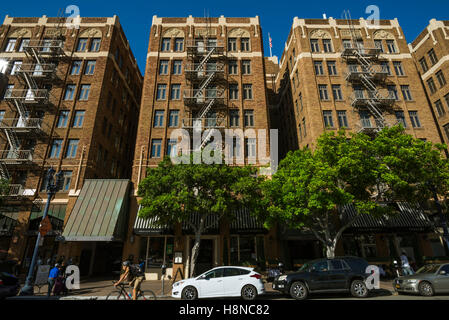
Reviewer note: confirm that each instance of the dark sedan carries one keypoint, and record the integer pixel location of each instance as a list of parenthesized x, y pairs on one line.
[(9, 285), (342, 274), (427, 281)]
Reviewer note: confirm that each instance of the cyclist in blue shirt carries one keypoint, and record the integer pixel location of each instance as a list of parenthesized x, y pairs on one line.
[(54, 273)]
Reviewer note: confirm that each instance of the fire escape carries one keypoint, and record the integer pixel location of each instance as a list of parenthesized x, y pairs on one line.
[(36, 74), (205, 101), (367, 76)]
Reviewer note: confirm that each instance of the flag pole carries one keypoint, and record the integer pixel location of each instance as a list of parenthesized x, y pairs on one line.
[(269, 39)]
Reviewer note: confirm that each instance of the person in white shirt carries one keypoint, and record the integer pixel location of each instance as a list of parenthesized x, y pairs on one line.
[(406, 269)]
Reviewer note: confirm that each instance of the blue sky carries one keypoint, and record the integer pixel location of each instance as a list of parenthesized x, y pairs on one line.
[(276, 16)]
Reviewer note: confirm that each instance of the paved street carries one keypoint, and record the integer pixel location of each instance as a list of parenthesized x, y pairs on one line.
[(98, 289)]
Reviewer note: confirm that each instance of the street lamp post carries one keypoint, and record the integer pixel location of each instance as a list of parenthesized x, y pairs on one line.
[(52, 187)]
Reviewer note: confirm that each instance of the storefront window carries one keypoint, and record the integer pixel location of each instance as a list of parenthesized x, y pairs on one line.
[(247, 248), (260, 249), (234, 248), (157, 246)]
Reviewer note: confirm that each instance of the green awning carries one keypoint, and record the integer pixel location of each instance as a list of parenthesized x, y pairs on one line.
[(55, 210), (100, 211)]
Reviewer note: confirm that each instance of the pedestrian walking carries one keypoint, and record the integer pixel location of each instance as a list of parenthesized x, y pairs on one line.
[(52, 276), (406, 270)]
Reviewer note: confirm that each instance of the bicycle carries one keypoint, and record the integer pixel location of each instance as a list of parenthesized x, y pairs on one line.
[(121, 294)]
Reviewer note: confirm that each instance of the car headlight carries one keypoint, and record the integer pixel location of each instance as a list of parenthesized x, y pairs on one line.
[(411, 281), (178, 283), (282, 278)]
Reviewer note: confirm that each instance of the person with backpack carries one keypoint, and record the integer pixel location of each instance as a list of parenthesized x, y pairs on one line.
[(138, 274)]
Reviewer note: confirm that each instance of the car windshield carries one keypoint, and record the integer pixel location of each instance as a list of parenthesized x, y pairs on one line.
[(430, 268), (304, 267)]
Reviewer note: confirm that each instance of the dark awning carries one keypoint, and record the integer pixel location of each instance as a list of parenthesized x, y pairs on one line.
[(100, 211), (245, 222), (150, 227), (409, 218)]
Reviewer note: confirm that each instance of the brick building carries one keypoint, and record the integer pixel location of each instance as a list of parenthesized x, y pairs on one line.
[(71, 102), (431, 51), (207, 73), (346, 73)]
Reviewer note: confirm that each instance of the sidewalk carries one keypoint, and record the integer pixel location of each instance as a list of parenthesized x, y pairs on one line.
[(100, 288)]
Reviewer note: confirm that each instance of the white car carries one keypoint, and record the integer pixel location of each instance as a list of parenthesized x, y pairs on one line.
[(221, 282)]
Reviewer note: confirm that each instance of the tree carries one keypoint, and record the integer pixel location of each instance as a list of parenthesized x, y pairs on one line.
[(311, 185), (4, 189), (174, 193)]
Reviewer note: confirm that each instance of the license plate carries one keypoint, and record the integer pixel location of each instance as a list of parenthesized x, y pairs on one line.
[(398, 286)]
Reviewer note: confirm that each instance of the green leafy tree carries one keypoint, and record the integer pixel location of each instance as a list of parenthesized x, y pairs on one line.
[(310, 185), (175, 192), (4, 189)]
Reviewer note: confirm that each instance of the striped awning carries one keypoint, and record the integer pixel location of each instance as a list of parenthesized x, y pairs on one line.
[(244, 222), (408, 218)]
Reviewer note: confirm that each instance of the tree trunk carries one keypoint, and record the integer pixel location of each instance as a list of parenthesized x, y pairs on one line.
[(195, 252), (330, 249)]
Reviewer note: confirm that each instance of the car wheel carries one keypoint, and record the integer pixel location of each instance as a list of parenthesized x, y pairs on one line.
[(298, 290), (425, 289), (359, 289), (249, 292), (189, 293)]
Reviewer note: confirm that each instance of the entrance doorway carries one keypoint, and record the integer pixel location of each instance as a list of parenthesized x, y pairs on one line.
[(205, 260)]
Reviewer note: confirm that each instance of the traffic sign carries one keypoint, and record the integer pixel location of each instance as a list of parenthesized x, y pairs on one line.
[(45, 226)]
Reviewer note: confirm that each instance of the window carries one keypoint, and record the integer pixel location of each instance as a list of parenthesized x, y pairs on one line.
[(440, 78), (234, 118), (414, 119), (67, 179), (16, 67), (446, 98), (336, 264), (247, 91), (25, 42), (232, 44), (177, 66), (62, 119), (173, 118), (179, 44), (161, 91), (323, 92), (386, 67), (95, 45), (328, 121), (82, 44), (2, 115), (55, 150), (304, 126), (423, 64), (233, 67), (347, 44), (431, 86), (90, 68), (378, 45), (392, 92), (332, 68), (246, 67), (446, 130), (46, 44), (175, 92), (163, 67), (78, 119), (10, 45), (318, 68), (314, 45), (398, 68), (439, 107), (158, 119), (336, 90), (233, 92), (156, 148), (250, 147), (171, 147), (84, 92), (320, 266), (76, 67), (165, 44), (342, 119), (249, 118), (244, 44), (433, 57), (72, 147), (69, 92), (365, 119), (391, 46), (327, 45), (406, 93), (400, 117)]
